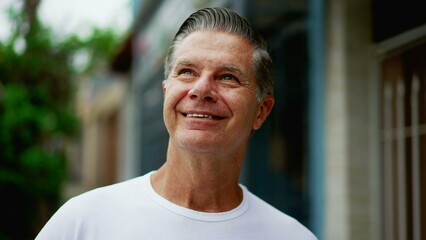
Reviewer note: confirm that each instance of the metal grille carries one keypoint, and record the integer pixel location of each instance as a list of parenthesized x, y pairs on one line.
[(404, 144)]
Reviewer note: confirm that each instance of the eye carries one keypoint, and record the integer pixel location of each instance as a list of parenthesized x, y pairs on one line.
[(187, 72), (229, 77)]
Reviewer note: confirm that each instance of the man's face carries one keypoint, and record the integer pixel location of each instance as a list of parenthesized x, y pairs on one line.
[(210, 96)]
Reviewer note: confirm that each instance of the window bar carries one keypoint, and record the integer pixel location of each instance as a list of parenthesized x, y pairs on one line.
[(387, 160), (416, 157), (402, 209)]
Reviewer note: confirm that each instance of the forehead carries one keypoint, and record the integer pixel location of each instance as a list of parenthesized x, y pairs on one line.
[(215, 47)]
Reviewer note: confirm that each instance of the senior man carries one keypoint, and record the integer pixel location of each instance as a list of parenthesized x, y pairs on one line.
[(218, 90)]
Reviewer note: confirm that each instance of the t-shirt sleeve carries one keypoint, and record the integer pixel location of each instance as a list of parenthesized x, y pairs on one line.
[(63, 225)]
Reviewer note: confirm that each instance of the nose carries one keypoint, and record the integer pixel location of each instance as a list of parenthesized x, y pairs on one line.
[(203, 89)]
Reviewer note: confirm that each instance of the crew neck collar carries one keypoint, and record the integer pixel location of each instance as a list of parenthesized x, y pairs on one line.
[(193, 214)]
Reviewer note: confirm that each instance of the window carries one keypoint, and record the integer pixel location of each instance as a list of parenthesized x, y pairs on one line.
[(404, 144)]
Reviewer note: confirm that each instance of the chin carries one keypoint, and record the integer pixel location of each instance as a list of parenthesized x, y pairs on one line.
[(201, 144)]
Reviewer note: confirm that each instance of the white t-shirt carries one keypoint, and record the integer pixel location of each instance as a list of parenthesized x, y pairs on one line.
[(133, 210)]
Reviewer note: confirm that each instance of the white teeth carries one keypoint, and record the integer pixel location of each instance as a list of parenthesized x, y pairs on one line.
[(198, 115)]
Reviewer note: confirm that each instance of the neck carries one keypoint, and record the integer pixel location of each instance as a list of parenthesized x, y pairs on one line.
[(205, 182)]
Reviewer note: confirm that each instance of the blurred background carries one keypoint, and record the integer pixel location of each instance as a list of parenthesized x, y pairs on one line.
[(344, 150)]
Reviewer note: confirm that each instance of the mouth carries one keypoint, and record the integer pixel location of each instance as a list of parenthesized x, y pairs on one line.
[(198, 115)]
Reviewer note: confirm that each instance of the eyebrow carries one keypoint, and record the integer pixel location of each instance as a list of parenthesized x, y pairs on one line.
[(184, 63), (228, 67), (237, 70)]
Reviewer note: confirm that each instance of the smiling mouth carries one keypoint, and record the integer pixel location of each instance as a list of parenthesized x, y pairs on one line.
[(196, 115)]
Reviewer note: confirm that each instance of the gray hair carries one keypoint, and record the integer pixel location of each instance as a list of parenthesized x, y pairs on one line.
[(223, 19)]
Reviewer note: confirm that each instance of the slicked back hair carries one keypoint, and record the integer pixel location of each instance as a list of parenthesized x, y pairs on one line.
[(226, 20)]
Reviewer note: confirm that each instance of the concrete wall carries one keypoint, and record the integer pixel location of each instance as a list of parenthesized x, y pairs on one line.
[(351, 123)]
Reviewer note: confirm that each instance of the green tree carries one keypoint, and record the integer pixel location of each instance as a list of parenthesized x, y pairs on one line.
[(37, 116)]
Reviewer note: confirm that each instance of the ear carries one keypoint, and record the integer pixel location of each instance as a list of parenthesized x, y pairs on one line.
[(264, 109), (163, 84)]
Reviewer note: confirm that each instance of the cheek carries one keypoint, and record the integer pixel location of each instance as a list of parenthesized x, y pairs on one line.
[(246, 110), (173, 95)]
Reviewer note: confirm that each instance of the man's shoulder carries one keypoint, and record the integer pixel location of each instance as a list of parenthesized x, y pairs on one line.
[(104, 197), (116, 190), (277, 222), (104, 206)]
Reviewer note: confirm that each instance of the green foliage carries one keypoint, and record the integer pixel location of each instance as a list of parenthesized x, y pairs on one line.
[(37, 118), (100, 47)]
